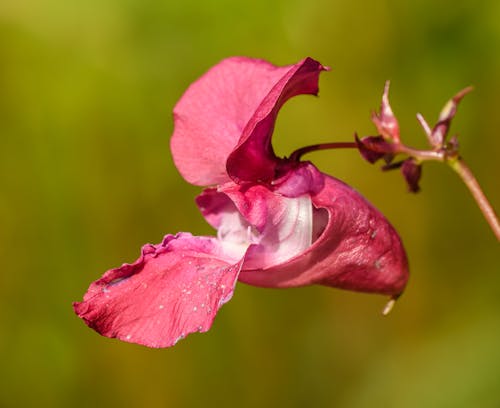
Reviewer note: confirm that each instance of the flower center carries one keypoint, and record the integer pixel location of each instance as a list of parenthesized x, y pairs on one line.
[(236, 234), (289, 230)]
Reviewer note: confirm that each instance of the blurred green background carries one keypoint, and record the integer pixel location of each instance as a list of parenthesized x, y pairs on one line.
[(86, 94)]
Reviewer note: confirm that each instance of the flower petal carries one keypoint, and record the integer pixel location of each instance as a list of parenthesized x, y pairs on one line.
[(173, 289), (254, 148), (270, 227), (357, 250), (288, 232), (235, 101)]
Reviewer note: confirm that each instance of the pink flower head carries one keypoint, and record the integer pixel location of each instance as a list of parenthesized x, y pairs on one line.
[(280, 222)]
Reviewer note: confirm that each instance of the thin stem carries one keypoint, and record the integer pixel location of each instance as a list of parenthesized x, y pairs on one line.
[(470, 181), (437, 155), (297, 154)]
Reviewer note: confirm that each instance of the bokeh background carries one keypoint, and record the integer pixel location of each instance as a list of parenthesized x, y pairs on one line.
[(86, 177)]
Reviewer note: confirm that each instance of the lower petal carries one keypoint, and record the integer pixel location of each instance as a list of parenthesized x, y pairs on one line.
[(357, 250), (173, 289)]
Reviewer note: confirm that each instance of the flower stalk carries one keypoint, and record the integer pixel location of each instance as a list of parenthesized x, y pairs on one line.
[(454, 161), (297, 154), (472, 184), (387, 145)]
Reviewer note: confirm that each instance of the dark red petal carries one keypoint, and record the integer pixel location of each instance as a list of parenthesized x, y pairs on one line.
[(215, 111), (210, 117), (358, 249), (254, 159), (173, 289)]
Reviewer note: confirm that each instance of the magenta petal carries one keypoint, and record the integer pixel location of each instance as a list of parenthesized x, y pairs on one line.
[(173, 289), (303, 179), (254, 148), (214, 112), (358, 249), (214, 206)]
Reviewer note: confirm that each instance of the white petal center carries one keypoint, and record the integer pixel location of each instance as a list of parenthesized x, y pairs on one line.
[(287, 233)]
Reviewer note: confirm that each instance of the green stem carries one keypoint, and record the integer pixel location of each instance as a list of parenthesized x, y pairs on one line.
[(470, 181), (465, 173), (422, 155)]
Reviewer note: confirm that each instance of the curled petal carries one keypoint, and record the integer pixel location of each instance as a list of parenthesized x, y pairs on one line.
[(210, 117), (229, 105), (357, 250), (173, 289), (304, 178), (254, 147)]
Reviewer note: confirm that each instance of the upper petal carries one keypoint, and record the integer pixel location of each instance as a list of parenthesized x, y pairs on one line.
[(357, 250), (234, 103), (254, 159), (173, 289)]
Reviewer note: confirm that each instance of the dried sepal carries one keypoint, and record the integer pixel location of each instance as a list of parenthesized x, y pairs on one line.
[(386, 123), (374, 148), (452, 146), (412, 172), (437, 137)]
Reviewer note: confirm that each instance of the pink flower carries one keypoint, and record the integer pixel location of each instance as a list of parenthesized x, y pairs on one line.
[(280, 222)]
